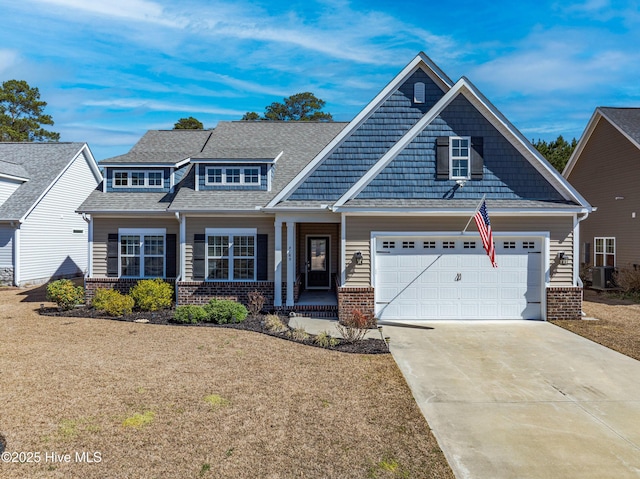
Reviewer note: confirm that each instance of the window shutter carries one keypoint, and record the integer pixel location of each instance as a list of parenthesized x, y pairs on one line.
[(198, 256), (586, 248), (477, 161), (112, 254), (262, 251), (170, 256), (442, 158)]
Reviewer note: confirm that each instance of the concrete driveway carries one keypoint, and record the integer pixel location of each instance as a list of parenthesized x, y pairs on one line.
[(519, 399)]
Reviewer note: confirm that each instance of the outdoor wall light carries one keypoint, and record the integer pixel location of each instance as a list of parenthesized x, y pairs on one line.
[(562, 258), (358, 257)]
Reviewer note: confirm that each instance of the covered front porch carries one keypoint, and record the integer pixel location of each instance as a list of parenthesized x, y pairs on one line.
[(307, 259)]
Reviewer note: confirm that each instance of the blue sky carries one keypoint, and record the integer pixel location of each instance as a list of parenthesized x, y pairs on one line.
[(110, 70)]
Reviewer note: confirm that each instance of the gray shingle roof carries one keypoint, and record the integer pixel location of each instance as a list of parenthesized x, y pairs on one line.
[(300, 142), (627, 119), (166, 147), (40, 163)]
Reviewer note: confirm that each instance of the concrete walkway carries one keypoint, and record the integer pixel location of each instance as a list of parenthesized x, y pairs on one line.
[(519, 399)]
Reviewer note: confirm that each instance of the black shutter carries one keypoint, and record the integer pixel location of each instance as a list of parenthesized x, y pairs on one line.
[(477, 161), (112, 254), (262, 251), (198, 256), (442, 158), (170, 256)]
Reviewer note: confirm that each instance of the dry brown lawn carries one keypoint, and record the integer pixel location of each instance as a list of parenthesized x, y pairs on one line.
[(617, 325), (175, 402)]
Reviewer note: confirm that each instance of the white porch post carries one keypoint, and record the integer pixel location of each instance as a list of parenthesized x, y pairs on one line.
[(183, 247), (291, 260), (277, 260), (90, 248)]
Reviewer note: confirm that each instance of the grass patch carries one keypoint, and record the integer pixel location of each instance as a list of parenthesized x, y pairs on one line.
[(216, 401), (139, 420)]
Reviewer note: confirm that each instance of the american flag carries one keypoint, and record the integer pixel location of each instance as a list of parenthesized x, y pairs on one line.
[(484, 227)]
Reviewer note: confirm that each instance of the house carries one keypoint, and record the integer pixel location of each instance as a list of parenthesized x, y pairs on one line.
[(604, 168), (41, 186), (370, 212)]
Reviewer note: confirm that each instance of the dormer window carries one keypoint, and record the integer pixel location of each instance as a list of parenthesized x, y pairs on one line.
[(232, 176), (137, 179)]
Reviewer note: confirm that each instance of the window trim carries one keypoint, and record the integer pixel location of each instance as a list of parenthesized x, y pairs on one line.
[(231, 233), (223, 176), (453, 158), (141, 233), (604, 253), (129, 184)]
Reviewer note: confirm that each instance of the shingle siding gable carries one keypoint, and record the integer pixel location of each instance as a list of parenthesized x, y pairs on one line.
[(506, 173), (369, 142)]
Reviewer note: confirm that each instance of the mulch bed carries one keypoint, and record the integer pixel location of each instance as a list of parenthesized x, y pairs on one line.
[(165, 317)]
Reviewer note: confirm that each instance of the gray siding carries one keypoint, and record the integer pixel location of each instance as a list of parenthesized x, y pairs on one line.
[(369, 142), (609, 167), (7, 187), (359, 239), (506, 173)]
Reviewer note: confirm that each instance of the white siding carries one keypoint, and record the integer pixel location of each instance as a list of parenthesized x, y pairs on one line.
[(7, 187), (6, 246), (48, 245)]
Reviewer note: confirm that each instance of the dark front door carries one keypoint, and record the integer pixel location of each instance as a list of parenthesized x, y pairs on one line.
[(318, 262)]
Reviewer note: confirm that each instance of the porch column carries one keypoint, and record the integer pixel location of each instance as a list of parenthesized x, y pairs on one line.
[(277, 260), (291, 261)]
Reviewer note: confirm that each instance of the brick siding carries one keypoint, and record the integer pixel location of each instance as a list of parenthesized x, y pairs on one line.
[(564, 303), (200, 292), (350, 299)]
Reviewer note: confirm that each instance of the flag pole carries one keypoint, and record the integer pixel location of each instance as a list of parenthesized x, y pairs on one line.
[(474, 213)]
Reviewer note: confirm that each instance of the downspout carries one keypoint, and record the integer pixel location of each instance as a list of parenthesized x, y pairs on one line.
[(179, 277), (576, 252), (89, 220), (16, 252)]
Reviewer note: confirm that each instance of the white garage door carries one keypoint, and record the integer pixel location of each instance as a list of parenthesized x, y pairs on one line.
[(452, 278)]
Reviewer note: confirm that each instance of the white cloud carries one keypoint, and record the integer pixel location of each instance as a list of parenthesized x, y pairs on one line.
[(8, 58), (133, 10)]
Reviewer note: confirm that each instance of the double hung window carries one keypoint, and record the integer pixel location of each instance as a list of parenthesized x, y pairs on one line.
[(231, 254), (142, 253), (605, 252), (460, 158)]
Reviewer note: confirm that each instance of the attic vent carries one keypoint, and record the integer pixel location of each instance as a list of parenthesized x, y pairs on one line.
[(418, 92)]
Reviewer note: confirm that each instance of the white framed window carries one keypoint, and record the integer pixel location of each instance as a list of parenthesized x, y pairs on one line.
[(604, 251), (138, 179), (408, 244), (216, 175), (142, 252), (231, 254), (460, 157)]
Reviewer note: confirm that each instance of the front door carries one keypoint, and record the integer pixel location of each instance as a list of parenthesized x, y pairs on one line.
[(318, 262)]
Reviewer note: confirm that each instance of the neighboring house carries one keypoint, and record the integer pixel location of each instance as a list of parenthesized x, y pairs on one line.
[(41, 186), (605, 168), (372, 211)]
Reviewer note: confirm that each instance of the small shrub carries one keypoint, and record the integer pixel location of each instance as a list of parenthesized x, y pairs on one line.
[(628, 279), (298, 334), (190, 314), (65, 294), (152, 294), (223, 311), (256, 302), (354, 328), (274, 324), (112, 302), (325, 340)]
